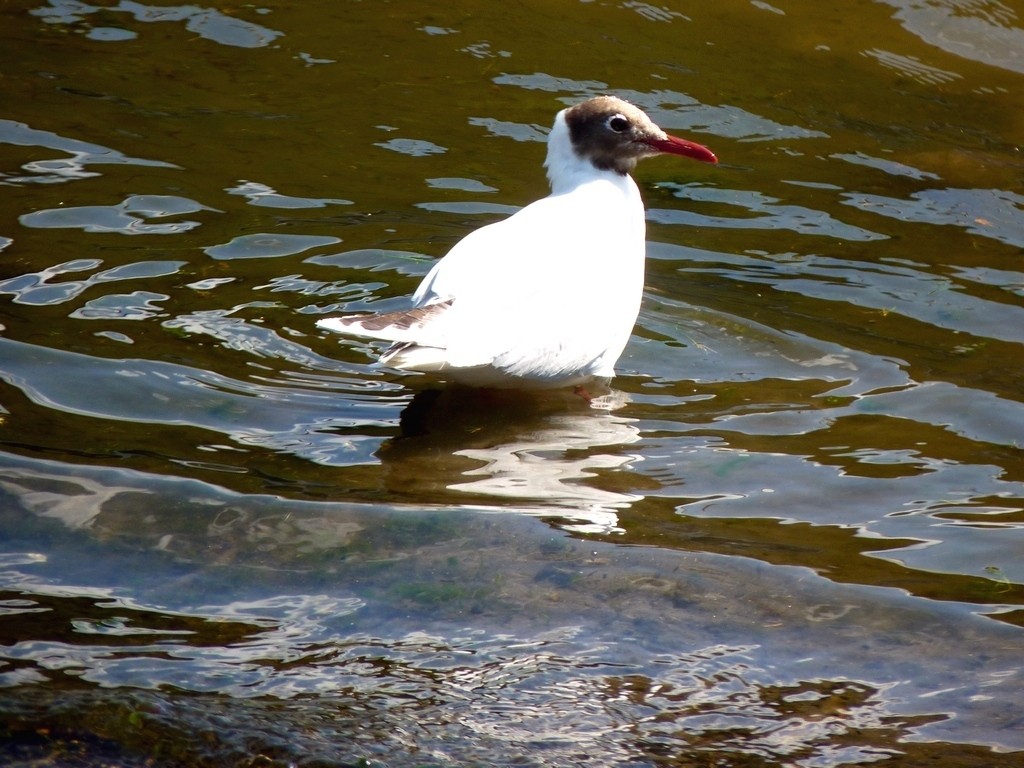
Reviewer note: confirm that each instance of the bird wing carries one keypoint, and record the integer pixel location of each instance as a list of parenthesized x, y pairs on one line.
[(546, 290), (407, 325), (549, 290)]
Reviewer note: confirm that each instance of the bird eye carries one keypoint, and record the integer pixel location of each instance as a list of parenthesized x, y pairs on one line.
[(618, 123)]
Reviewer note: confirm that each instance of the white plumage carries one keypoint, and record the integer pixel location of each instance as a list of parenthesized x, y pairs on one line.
[(547, 297)]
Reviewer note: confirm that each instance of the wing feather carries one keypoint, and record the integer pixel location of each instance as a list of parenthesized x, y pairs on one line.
[(407, 325)]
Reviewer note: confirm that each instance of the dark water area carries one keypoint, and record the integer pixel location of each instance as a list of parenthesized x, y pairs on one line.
[(230, 539)]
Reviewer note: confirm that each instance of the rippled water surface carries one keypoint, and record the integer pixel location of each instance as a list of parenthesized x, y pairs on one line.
[(227, 538)]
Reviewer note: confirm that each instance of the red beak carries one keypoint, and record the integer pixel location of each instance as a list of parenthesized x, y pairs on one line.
[(675, 146)]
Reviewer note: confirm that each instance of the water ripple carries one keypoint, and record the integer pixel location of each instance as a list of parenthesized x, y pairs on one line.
[(43, 288), (50, 171), (129, 217), (205, 22), (992, 213)]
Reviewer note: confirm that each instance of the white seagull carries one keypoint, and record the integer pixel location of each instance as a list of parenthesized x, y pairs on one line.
[(548, 297)]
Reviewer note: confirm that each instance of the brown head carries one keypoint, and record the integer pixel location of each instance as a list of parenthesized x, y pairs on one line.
[(613, 134)]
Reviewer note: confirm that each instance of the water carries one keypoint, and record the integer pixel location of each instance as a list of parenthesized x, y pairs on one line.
[(228, 539)]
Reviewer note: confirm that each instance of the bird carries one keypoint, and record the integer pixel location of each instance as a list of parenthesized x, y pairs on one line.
[(546, 298)]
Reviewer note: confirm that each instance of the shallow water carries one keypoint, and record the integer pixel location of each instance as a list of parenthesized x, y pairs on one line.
[(229, 539)]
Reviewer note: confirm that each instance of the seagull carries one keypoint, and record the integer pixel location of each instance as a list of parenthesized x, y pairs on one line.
[(548, 297)]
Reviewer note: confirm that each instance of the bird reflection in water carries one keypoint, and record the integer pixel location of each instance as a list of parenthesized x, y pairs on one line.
[(540, 453)]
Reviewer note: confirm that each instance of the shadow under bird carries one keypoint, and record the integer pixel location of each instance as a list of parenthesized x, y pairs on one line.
[(548, 297)]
